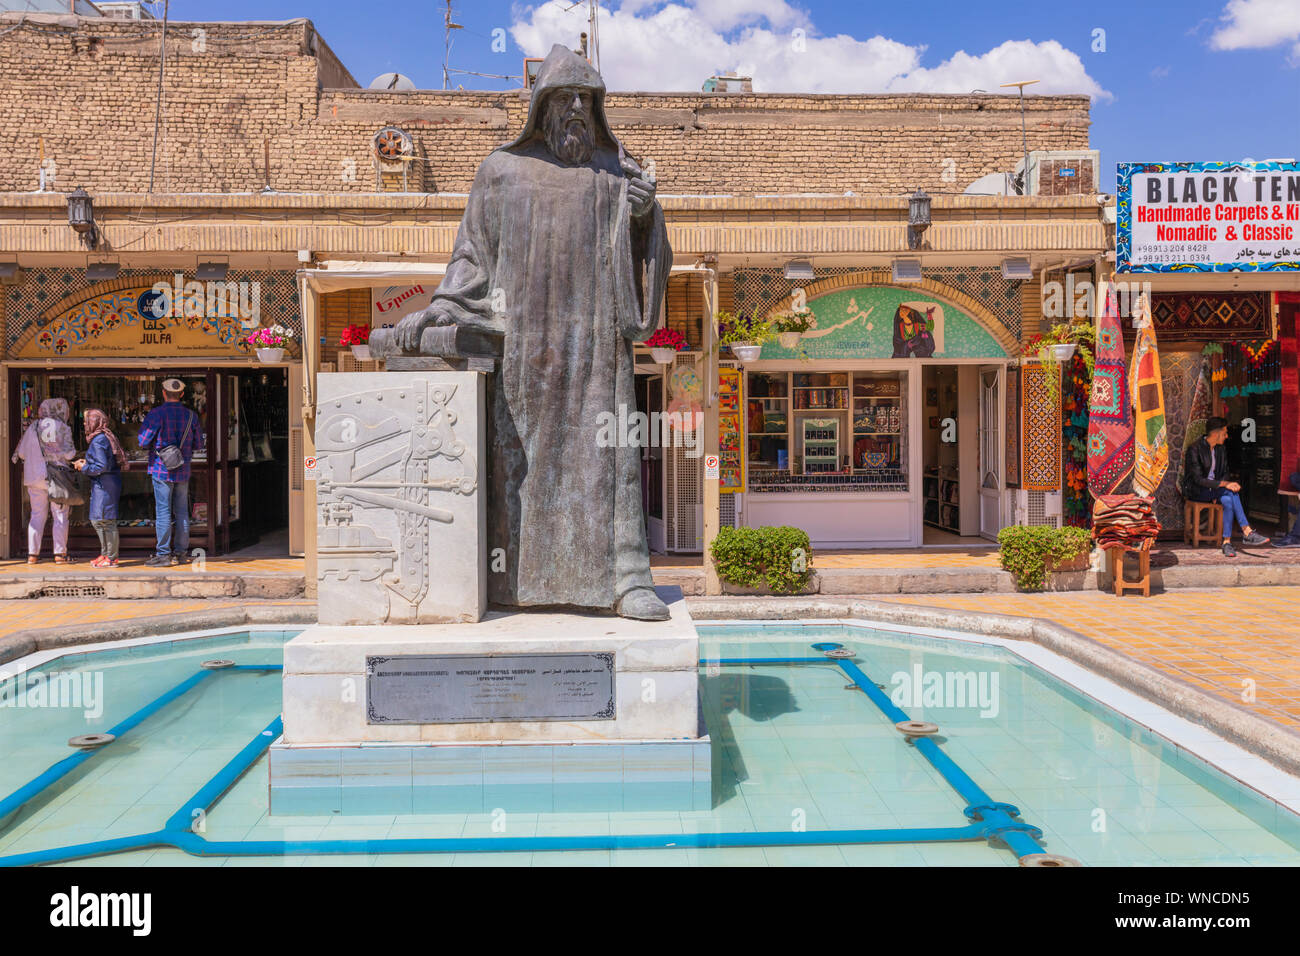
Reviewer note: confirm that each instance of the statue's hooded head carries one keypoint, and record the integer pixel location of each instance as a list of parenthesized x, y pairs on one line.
[(567, 110)]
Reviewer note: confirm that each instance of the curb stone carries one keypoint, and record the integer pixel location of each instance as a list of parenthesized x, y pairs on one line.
[(24, 642)]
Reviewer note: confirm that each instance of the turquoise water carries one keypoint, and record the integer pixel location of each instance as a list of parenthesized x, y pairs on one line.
[(794, 750)]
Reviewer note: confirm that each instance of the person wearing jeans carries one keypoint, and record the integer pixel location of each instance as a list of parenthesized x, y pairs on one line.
[(1205, 478), (103, 465), (47, 441), (1292, 538), (171, 423)]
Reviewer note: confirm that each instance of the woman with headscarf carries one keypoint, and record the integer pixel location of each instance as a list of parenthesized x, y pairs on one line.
[(912, 338), (47, 441), (104, 463)]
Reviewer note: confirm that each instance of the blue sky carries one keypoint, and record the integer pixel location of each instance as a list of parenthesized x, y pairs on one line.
[(1201, 80)]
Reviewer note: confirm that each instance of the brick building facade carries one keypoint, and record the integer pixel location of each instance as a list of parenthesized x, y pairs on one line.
[(747, 181)]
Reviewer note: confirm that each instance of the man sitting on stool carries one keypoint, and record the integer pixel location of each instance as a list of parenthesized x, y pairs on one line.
[(1205, 473), (1292, 539)]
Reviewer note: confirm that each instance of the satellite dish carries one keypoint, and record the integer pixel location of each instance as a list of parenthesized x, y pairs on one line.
[(392, 81), (994, 184)]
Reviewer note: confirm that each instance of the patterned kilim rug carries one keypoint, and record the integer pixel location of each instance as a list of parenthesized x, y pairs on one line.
[(1210, 316), (1041, 458), (1150, 434), (1110, 410), (1198, 413), (1287, 329)]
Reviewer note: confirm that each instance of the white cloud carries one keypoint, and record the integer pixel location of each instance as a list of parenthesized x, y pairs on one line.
[(676, 46), (1256, 24)]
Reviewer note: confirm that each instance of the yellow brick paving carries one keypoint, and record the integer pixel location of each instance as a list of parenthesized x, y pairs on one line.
[(911, 559), (231, 564), (51, 612), (1214, 639)]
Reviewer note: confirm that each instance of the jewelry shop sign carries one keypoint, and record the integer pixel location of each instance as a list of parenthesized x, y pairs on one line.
[(1208, 217), (462, 688)]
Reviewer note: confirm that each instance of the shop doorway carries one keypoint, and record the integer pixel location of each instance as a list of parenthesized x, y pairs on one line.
[(239, 495), (650, 401), (992, 457), (941, 459)]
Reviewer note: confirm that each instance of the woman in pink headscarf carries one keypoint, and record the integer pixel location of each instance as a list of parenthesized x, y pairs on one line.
[(103, 465), (48, 440)]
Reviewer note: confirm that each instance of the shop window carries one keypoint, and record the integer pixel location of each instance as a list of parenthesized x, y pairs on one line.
[(834, 430)]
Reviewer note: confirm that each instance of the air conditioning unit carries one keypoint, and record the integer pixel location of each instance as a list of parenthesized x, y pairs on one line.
[(1038, 508), (1062, 172)]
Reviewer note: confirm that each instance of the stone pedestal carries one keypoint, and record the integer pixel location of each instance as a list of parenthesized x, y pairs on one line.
[(525, 711), (400, 498)]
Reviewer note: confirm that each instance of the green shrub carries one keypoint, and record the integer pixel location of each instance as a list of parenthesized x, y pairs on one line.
[(1027, 551), (779, 559)]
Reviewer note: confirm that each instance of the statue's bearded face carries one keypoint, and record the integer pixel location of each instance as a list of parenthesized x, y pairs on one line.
[(570, 126)]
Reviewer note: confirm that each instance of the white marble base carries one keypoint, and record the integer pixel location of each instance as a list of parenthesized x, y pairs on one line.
[(655, 674), (653, 753)]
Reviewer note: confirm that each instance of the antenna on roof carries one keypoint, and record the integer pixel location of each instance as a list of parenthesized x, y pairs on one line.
[(448, 26), (1023, 181)]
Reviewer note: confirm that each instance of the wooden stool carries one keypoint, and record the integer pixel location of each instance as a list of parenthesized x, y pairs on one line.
[(1192, 513), (1115, 564)]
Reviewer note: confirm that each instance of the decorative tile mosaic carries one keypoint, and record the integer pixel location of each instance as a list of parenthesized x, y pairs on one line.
[(38, 291), (764, 288)]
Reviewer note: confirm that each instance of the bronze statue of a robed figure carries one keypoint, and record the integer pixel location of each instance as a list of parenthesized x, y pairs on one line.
[(560, 264)]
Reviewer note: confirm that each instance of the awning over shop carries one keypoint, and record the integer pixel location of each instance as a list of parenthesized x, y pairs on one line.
[(337, 274)]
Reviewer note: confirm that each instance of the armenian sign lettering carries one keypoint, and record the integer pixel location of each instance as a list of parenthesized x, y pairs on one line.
[(139, 320)]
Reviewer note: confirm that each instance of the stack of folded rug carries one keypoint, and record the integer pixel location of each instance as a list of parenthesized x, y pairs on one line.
[(1124, 521)]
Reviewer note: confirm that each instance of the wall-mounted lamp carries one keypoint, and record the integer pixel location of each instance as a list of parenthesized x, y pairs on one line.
[(101, 271), (906, 270), (1017, 269), (799, 270), (918, 218), (81, 216), (212, 271)]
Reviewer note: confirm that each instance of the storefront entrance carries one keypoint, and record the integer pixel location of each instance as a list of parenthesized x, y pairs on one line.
[(239, 486)]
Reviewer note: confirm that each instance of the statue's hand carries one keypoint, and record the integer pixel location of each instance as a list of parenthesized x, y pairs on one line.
[(640, 189), (408, 331)]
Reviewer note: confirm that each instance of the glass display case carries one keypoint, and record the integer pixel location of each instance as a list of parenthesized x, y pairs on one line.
[(824, 430)]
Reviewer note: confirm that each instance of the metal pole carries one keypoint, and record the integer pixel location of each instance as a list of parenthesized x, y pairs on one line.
[(157, 111)]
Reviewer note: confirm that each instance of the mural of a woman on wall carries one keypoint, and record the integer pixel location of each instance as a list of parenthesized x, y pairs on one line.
[(912, 338)]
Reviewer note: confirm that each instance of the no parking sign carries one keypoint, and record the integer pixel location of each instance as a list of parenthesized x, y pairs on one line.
[(309, 468), (711, 467)]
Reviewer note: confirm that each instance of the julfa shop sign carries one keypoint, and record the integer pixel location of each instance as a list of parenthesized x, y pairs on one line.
[(1208, 217)]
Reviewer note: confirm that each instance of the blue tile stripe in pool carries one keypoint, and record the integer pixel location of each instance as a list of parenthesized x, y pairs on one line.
[(988, 819)]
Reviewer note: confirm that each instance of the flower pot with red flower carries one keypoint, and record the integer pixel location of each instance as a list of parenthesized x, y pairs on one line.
[(357, 338), (665, 344)]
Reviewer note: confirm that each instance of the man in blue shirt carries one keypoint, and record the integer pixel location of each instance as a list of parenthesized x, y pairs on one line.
[(171, 423)]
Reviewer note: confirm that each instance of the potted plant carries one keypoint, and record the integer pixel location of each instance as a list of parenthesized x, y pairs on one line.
[(357, 337), (270, 343), (665, 344), (1058, 345), (743, 334), (790, 327)]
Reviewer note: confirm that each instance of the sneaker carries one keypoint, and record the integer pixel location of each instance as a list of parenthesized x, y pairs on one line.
[(1227, 550), (1254, 539), (1287, 542), (160, 561)]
